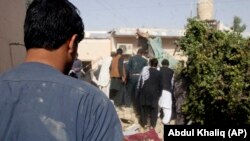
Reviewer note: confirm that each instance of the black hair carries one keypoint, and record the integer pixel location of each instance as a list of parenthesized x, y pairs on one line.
[(153, 62), (140, 51), (165, 62), (50, 23), (119, 51)]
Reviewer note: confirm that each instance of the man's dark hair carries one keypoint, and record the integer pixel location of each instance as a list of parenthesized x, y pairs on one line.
[(140, 51), (165, 62), (119, 51), (153, 62), (50, 23)]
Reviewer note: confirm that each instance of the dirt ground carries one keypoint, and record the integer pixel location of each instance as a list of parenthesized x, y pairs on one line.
[(129, 120)]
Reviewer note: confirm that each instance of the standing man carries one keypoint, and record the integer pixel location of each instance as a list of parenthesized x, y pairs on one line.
[(135, 65), (165, 102), (104, 76), (118, 77), (39, 102), (149, 92)]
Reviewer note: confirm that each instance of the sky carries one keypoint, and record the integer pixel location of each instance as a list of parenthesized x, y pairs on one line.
[(99, 15)]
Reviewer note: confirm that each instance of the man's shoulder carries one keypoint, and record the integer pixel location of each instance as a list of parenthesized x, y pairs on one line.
[(139, 57), (166, 70), (144, 59), (39, 74), (82, 87), (68, 87), (171, 70)]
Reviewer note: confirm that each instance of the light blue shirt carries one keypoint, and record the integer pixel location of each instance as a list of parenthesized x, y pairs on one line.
[(39, 103)]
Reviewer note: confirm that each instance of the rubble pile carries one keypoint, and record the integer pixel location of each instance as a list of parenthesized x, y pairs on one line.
[(130, 123)]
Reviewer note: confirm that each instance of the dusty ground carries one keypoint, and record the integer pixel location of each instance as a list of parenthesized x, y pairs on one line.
[(129, 119)]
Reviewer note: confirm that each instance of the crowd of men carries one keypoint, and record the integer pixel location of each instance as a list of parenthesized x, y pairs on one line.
[(142, 83)]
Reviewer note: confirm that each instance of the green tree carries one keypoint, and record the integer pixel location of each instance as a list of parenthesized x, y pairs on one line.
[(237, 27), (218, 70)]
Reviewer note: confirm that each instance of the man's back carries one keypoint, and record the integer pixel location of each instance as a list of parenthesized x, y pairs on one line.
[(39, 103), (136, 63), (166, 78), (116, 67)]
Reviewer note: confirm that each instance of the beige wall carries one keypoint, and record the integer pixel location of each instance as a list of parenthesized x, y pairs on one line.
[(94, 49), (12, 14), (167, 44), (125, 40), (170, 48)]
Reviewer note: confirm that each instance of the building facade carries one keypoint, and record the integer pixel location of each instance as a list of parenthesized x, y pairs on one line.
[(99, 44), (127, 37)]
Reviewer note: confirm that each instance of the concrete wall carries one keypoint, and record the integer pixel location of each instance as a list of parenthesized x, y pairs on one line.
[(170, 47), (125, 40), (168, 44), (12, 13), (94, 50)]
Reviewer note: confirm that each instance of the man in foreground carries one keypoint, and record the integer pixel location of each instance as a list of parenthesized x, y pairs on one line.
[(38, 101)]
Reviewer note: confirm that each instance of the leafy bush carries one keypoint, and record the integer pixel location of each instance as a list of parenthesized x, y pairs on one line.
[(218, 70)]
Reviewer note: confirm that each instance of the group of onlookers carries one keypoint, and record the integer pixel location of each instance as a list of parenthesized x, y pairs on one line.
[(149, 86)]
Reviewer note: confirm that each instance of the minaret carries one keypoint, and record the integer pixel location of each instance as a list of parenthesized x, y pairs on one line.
[(205, 9)]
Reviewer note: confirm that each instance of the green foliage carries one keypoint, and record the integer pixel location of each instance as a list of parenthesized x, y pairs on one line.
[(218, 70), (237, 27)]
